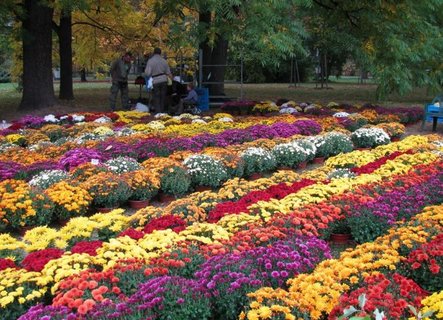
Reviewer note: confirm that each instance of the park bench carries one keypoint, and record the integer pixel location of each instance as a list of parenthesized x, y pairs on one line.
[(433, 112)]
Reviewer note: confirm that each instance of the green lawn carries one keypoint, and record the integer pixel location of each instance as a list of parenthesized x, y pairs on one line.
[(93, 96)]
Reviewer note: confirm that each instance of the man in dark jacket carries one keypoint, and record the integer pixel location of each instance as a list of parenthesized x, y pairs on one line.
[(158, 69), (119, 74)]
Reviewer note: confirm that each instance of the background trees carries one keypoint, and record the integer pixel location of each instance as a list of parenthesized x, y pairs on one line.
[(398, 42)]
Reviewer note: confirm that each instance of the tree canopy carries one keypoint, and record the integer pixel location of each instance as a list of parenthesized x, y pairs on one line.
[(399, 42)]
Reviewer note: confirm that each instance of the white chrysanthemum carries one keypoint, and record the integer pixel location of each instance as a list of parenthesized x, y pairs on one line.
[(47, 178), (103, 119), (5, 146), (161, 115), (78, 118), (123, 164), (88, 136), (377, 134), (341, 173), (125, 132), (205, 170), (51, 118), (41, 145), (288, 110), (225, 119), (341, 114)]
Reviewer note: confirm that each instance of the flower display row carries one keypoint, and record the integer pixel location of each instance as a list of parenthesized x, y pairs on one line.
[(317, 293), (105, 188), (70, 156), (206, 252), (388, 252), (372, 114), (120, 243), (119, 146)]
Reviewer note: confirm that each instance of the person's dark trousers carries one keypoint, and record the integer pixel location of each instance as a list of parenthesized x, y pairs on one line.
[(123, 88), (159, 96)]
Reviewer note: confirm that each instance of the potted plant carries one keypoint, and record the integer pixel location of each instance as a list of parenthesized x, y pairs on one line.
[(338, 143), (70, 200), (308, 147), (22, 206), (258, 160), (47, 178), (107, 189), (174, 180), (322, 148), (289, 154), (234, 164), (369, 137), (144, 187), (122, 165), (339, 231), (205, 170), (394, 129)]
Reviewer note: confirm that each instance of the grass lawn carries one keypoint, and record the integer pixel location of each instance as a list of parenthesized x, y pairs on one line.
[(93, 96)]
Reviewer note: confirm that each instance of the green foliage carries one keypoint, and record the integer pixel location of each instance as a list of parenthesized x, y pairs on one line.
[(366, 226), (258, 160), (175, 180), (339, 143), (400, 44)]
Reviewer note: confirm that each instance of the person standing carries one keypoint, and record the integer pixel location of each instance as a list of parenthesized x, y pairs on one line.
[(119, 75), (158, 69)]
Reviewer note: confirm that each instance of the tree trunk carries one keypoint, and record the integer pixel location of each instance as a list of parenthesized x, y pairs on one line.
[(219, 60), (38, 88), (205, 19), (216, 55), (65, 42)]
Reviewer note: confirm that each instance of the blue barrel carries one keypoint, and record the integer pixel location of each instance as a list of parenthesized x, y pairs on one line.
[(203, 98)]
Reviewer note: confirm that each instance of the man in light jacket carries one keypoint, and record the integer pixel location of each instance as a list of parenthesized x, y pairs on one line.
[(158, 69)]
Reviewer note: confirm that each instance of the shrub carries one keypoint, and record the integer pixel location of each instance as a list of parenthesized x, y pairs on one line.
[(70, 201), (144, 185), (338, 143), (20, 205)]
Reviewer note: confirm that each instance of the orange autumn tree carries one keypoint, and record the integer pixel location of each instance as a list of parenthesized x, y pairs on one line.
[(105, 31)]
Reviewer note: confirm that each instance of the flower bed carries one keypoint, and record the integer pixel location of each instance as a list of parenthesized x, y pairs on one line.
[(260, 245)]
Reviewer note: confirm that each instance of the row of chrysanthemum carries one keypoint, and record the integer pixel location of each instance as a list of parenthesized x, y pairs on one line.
[(25, 204), (264, 237), (147, 247), (316, 294)]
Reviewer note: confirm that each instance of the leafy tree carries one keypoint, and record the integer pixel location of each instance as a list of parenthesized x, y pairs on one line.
[(259, 30), (399, 42)]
